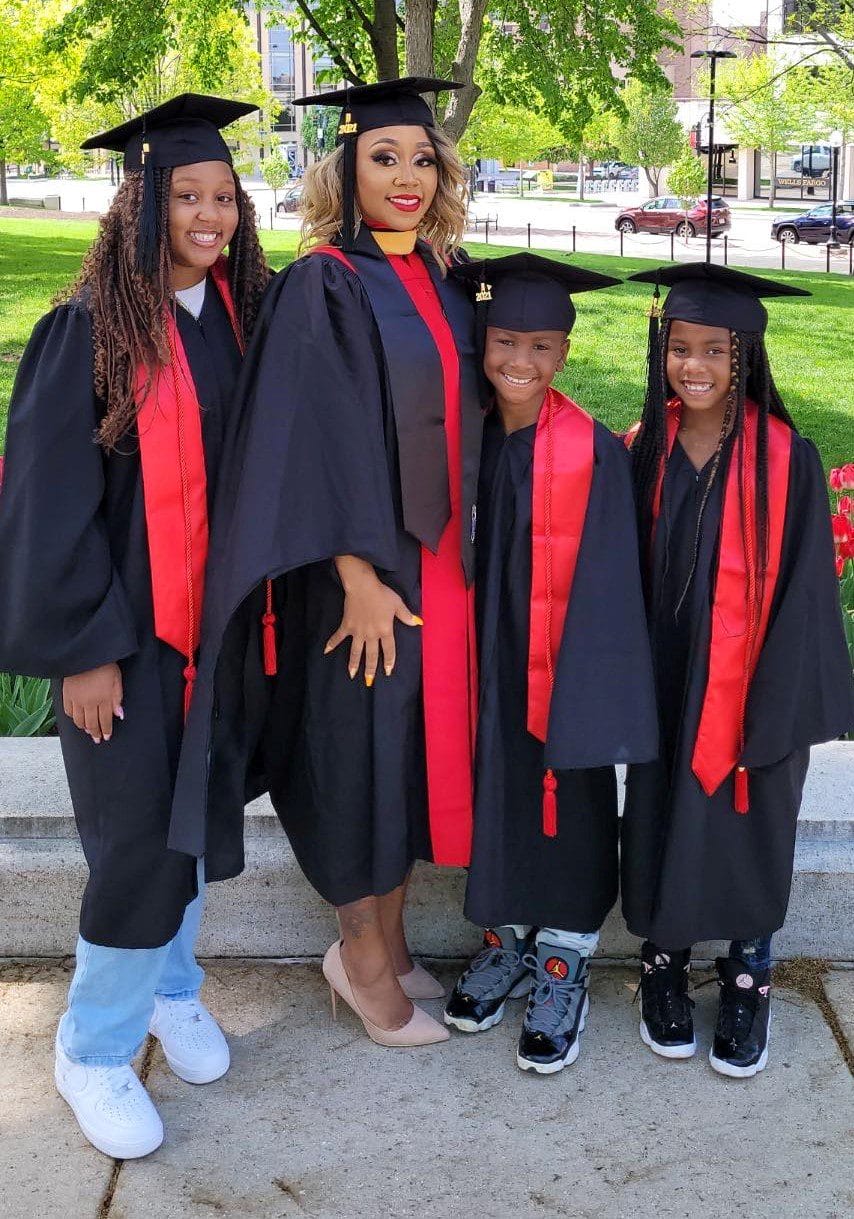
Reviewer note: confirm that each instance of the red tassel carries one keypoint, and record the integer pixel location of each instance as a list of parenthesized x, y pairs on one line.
[(741, 799), (549, 804), (189, 681), (268, 622)]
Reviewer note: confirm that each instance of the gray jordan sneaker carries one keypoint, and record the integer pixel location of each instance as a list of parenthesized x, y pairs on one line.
[(557, 1009), (495, 975)]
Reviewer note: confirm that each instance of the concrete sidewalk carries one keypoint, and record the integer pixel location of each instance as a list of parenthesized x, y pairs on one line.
[(314, 1120)]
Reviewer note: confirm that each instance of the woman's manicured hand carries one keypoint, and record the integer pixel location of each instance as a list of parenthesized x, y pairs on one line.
[(91, 699), (370, 610)]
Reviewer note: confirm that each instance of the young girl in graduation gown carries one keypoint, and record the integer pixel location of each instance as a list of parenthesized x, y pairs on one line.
[(115, 438), (750, 659), (566, 684), (355, 470)]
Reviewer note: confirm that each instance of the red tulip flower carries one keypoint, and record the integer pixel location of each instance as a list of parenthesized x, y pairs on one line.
[(840, 566), (847, 473), (845, 504), (835, 480), (841, 527)]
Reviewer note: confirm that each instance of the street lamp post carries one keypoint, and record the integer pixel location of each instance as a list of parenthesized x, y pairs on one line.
[(713, 57)]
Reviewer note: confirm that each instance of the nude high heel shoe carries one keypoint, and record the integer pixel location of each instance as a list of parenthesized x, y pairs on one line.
[(420, 984), (421, 1029)]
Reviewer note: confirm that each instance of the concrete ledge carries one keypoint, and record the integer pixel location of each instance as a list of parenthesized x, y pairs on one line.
[(271, 911)]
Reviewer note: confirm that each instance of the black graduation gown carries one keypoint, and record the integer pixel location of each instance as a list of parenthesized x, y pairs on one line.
[(692, 868), (75, 593), (603, 704), (313, 472)]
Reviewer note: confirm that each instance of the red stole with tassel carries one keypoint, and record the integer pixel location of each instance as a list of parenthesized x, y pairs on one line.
[(563, 473), (739, 622), (174, 484), (449, 659)]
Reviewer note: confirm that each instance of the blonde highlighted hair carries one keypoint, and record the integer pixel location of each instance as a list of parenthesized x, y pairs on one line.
[(442, 225)]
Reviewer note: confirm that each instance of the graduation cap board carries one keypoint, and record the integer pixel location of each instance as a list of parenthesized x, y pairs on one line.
[(711, 295), (183, 131), (388, 103), (526, 292)]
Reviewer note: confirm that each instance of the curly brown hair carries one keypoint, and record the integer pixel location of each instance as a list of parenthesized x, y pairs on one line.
[(127, 307)]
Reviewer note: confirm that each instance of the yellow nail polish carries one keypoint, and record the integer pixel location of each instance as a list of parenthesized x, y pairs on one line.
[(418, 621), (369, 681)]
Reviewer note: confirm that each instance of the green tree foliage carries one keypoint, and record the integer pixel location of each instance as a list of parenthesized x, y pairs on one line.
[(318, 130), (763, 108), (507, 133), (649, 133), (276, 171), (687, 178), (23, 123), (125, 57), (558, 57)]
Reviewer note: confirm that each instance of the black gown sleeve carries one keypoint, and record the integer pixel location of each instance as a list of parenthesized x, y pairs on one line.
[(603, 706), (802, 691), (63, 609)]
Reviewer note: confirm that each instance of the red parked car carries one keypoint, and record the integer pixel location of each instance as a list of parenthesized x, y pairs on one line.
[(665, 214)]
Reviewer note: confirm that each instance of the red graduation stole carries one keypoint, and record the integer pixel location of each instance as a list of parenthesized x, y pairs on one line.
[(563, 473), (175, 489), (738, 624), (449, 660)]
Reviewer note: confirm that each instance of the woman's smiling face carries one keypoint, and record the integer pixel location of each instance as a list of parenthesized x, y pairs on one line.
[(203, 217), (397, 175)]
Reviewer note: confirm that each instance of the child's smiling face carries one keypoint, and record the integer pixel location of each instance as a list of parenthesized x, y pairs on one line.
[(699, 365), (521, 365)]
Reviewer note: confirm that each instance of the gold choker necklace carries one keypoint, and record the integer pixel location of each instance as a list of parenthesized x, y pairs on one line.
[(391, 241)]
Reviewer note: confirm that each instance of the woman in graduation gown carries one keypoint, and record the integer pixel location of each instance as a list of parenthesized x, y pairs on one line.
[(115, 439), (750, 658), (355, 469)]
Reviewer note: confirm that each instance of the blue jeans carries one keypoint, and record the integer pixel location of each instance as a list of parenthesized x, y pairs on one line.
[(756, 953), (111, 998)]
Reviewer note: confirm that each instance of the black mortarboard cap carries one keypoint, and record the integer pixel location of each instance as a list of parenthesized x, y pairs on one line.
[(183, 131), (712, 295), (527, 292), (388, 103)]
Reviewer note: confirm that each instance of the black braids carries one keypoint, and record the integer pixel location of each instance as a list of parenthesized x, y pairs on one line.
[(650, 443), (735, 399), (248, 270)]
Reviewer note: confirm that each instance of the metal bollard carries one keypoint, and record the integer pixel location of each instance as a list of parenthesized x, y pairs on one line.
[(529, 234), (83, 203), (783, 255), (271, 218), (827, 252), (726, 249), (672, 245), (573, 239), (851, 257), (487, 230), (622, 235)]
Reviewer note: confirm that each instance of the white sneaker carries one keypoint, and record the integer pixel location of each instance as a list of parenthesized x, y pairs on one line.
[(112, 1107), (192, 1041)]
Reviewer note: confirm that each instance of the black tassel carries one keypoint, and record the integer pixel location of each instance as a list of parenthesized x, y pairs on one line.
[(148, 239), (655, 386), (348, 233)]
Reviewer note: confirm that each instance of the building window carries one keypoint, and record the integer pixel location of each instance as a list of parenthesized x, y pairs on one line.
[(281, 60)]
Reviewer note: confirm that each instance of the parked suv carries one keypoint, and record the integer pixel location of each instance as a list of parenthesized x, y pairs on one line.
[(814, 161), (814, 226), (665, 214)]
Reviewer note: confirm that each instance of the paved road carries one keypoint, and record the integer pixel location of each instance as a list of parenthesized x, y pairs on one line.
[(749, 242)]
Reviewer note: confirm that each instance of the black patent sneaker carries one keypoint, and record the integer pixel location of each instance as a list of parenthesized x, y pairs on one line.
[(495, 975), (740, 1047), (667, 1024), (557, 1009)]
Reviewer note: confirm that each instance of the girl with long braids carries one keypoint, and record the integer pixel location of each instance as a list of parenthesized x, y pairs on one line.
[(749, 653), (116, 433)]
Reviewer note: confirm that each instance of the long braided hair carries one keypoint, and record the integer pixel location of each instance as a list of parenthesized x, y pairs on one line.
[(750, 378), (127, 306)]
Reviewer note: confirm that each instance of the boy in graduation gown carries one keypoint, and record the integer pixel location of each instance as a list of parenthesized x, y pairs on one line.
[(749, 653), (116, 435), (564, 668)]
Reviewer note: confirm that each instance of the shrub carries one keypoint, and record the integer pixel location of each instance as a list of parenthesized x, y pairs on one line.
[(25, 706)]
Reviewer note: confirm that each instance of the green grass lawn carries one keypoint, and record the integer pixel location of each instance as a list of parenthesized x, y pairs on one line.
[(809, 340)]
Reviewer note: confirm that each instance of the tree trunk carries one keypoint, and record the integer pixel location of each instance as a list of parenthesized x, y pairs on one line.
[(772, 188), (4, 194), (420, 17), (652, 176), (463, 100), (581, 163), (384, 40)]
